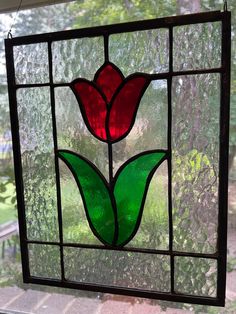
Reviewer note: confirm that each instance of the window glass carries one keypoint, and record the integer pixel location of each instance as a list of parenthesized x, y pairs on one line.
[(39, 299)]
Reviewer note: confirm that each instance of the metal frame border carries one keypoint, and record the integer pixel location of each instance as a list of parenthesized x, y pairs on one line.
[(105, 31)]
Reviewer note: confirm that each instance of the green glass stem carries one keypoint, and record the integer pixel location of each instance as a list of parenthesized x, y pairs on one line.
[(110, 163)]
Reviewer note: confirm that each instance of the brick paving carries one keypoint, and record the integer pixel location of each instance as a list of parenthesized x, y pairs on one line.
[(14, 300), (9, 294), (28, 301), (145, 308), (84, 305), (54, 304), (116, 307), (18, 301)]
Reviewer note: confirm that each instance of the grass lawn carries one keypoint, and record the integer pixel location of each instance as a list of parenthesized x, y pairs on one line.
[(7, 210)]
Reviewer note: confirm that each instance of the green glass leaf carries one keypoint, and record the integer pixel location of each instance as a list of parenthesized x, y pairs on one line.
[(95, 194), (130, 189)]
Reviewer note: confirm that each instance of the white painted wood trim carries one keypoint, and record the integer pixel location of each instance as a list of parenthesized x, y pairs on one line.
[(12, 5)]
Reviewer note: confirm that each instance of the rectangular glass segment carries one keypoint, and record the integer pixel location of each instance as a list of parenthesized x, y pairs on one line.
[(197, 46), (123, 269), (75, 58), (37, 156), (196, 276), (195, 162), (44, 261), (31, 64), (141, 51)]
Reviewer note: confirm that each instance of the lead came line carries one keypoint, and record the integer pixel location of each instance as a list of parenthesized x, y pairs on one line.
[(17, 159), (156, 76), (106, 48), (57, 171), (188, 19), (127, 291), (223, 162), (169, 82), (127, 249)]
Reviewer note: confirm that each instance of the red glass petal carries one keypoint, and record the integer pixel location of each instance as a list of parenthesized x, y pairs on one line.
[(108, 79), (93, 107), (125, 105)]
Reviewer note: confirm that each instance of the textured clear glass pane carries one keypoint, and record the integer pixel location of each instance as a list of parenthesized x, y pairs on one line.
[(31, 63), (72, 132), (195, 144), (124, 269), (150, 128), (154, 229), (37, 153), (77, 58), (44, 261), (143, 51), (196, 276), (197, 46)]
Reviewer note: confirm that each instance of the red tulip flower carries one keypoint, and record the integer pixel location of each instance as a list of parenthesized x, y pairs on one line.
[(110, 102)]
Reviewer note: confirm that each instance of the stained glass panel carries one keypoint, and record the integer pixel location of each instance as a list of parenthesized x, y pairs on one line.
[(121, 147)]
